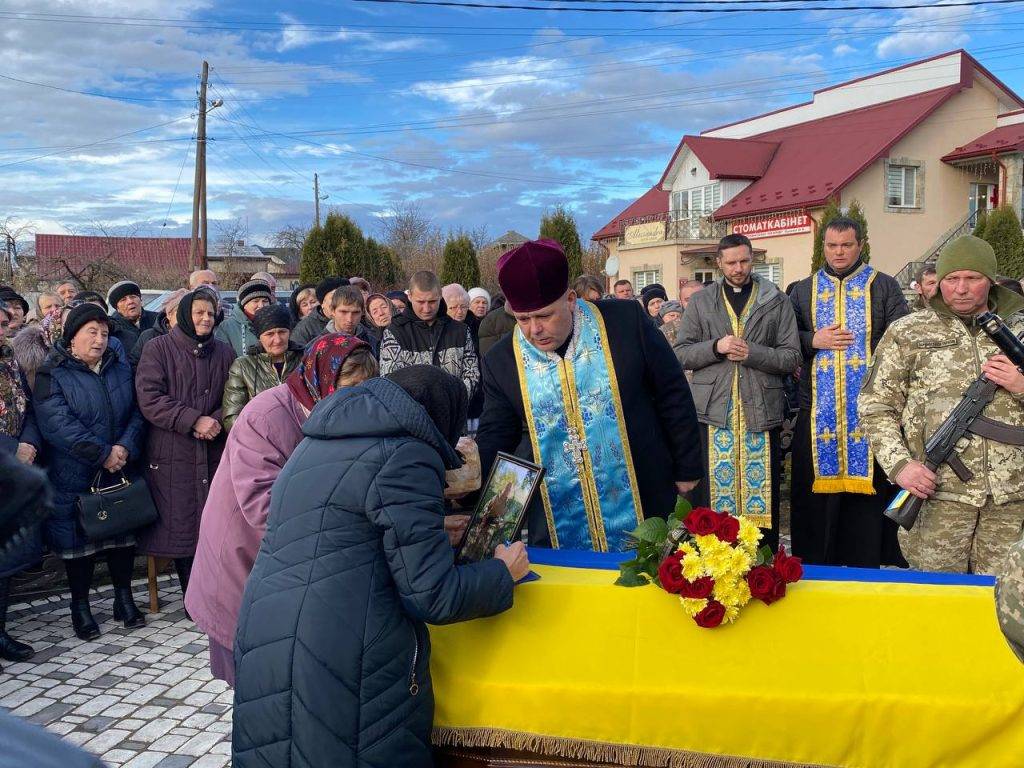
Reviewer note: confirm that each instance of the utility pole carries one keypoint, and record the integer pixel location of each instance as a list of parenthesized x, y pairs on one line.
[(197, 250), (7, 274), (316, 197)]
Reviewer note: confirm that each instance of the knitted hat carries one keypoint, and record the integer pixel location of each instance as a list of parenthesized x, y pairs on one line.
[(270, 317), (119, 290), (401, 296), (651, 293), (79, 316), (254, 289), (534, 275), (92, 297), (11, 296), (327, 285), (670, 306), (967, 252), (479, 293)]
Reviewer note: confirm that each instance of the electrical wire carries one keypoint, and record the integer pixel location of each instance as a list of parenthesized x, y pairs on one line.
[(591, 9)]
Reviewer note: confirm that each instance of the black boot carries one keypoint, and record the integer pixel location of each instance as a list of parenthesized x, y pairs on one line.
[(10, 648), (183, 565), (125, 609), (82, 620)]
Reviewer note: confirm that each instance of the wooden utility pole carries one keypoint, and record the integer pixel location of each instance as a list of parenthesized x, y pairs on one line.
[(316, 197), (197, 248)]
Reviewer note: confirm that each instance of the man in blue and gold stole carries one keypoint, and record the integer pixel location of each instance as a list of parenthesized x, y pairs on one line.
[(592, 392), (839, 492), (740, 340)]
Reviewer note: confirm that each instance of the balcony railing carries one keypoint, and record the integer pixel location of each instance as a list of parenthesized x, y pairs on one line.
[(660, 227)]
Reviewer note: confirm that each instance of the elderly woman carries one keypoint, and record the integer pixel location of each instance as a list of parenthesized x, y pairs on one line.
[(33, 343), (235, 517), (168, 319), (267, 363), (180, 384), (302, 301), (19, 438), (588, 287), (652, 297), (479, 302), (354, 563), (457, 300), (85, 409), (380, 310)]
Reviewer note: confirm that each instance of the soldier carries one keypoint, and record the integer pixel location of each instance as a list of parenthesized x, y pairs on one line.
[(839, 492), (740, 340), (1010, 599), (921, 368)]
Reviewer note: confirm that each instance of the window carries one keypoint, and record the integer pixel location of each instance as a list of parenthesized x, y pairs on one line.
[(644, 277), (704, 275), (772, 272), (902, 186)]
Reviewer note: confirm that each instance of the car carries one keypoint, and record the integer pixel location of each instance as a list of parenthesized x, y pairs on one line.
[(227, 298)]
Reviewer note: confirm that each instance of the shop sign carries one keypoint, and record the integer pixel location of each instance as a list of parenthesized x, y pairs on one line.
[(774, 226), (642, 234)]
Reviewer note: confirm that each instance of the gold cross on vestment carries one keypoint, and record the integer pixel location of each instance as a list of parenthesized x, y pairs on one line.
[(826, 295), (824, 363), (827, 436), (857, 435), (855, 361), (856, 293), (574, 448)]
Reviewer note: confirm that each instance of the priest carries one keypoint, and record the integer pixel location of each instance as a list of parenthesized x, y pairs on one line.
[(593, 392)]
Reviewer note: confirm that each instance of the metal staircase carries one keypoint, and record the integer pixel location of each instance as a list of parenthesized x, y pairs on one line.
[(906, 275)]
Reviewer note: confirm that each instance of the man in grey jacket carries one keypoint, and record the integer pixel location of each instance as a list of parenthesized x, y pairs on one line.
[(740, 339)]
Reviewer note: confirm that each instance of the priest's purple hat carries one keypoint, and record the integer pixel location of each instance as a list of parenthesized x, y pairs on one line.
[(533, 275)]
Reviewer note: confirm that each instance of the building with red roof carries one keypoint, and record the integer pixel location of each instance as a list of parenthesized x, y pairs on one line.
[(922, 148), (110, 258)]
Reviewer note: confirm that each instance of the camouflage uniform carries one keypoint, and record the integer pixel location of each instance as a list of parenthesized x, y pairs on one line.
[(1010, 599), (919, 372)]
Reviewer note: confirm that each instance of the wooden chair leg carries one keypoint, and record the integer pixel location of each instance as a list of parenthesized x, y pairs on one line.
[(154, 597)]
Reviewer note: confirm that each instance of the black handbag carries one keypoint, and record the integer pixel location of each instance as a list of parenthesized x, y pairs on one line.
[(109, 511)]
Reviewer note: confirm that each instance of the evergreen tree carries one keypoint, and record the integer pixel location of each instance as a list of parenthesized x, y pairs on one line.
[(560, 226), (857, 214), (460, 264), (1003, 233), (831, 212), (314, 261), (979, 226), (381, 267), (345, 244)]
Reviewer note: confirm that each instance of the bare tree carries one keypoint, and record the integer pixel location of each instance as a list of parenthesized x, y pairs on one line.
[(17, 260), (290, 236), (231, 238), (407, 230)]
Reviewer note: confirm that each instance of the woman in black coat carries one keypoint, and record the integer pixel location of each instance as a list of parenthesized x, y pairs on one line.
[(332, 655), (85, 408)]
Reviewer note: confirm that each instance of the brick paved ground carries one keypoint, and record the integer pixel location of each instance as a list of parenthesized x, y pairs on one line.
[(141, 698)]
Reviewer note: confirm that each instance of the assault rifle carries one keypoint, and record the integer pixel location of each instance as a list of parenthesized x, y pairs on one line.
[(966, 419)]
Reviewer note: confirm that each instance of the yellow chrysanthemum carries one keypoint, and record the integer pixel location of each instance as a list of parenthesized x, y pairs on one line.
[(688, 549), (750, 535), (742, 561), (693, 567), (693, 606), (731, 614), (710, 544)]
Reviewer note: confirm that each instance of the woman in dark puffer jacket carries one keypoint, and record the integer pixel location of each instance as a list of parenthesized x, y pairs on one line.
[(332, 655), (84, 401)]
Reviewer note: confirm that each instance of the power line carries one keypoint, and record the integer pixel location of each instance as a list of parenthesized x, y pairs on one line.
[(591, 9), (188, 151), (88, 93)]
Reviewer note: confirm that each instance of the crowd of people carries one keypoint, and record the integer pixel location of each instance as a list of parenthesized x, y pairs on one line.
[(348, 404)]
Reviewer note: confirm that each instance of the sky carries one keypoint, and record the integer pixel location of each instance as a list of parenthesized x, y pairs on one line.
[(481, 117)]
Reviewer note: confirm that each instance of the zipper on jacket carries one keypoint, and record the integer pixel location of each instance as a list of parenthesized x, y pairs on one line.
[(414, 687)]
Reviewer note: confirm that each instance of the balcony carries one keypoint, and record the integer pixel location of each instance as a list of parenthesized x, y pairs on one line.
[(671, 227)]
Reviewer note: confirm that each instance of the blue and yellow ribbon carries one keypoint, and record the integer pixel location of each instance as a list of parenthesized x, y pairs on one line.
[(843, 461), (578, 433)]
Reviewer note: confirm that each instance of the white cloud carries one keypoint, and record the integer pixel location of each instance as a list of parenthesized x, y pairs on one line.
[(296, 36), (843, 50), (948, 31)]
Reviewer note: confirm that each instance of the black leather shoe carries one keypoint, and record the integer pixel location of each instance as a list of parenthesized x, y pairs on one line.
[(82, 620), (125, 609), (12, 650)]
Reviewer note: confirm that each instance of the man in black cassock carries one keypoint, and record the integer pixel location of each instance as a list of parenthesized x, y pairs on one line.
[(593, 392)]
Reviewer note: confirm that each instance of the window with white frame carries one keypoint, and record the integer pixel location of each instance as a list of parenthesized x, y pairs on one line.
[(696, 202), (901, 186), (644, 277), (772, 272), (704, 275)]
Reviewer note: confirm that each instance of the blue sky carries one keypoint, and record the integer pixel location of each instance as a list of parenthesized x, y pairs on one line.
[(483, 118)]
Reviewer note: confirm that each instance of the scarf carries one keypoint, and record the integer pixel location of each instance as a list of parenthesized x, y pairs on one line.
[(317, 374), (52, 326), (13, 399), (443, 396), (185, 313)]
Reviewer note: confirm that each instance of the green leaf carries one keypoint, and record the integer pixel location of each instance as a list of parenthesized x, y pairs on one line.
[(629, 576), (653, 530), (683, 508), (765, 556)]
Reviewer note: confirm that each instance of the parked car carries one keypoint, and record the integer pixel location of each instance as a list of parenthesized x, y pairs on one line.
[(227, 298)]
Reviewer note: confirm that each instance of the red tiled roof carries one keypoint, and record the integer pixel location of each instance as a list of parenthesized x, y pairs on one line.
[(816, 159), (727, 158), (133, 253), (1008, 138), (653, 202)]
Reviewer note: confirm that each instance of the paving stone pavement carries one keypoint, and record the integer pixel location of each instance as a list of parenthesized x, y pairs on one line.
[(137, 698)]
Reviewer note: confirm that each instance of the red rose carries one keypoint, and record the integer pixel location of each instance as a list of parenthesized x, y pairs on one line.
[(789, 568), (701, 521), (699, 589), (670, 573), (761, 580), (711, 616), (728, 528), (779, 590)]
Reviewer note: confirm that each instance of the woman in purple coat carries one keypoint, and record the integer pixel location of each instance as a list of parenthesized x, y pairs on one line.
[(235, 518), (180, 385)]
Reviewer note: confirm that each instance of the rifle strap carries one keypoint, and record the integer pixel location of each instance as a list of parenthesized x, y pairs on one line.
[(988, 428)]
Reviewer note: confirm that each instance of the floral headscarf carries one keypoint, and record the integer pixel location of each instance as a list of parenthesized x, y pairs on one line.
[(52, 326), (317, 374)]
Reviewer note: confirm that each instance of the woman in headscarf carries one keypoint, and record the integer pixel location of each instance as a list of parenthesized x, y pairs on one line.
[(302, 301), (166, 320), (354, 563), (235, 516), (33, 343), (85, 409), (378, 316), (180, 384), (267, 363), (653, 296), (18, 438)]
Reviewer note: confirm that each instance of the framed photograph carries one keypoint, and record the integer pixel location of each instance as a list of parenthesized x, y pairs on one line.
[(499, 513)]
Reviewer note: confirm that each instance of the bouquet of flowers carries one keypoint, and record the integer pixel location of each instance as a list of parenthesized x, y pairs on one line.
[(711, 560)]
